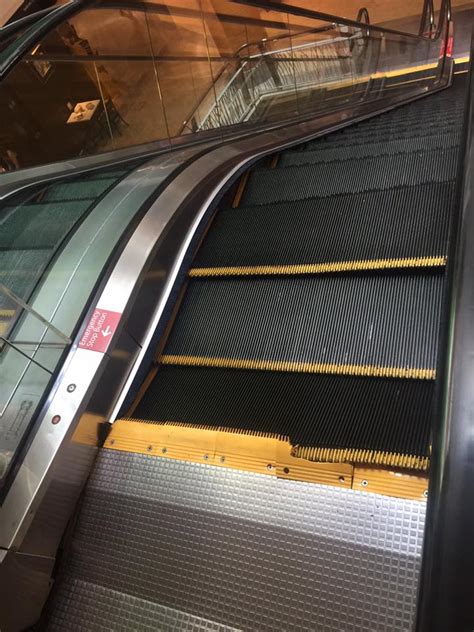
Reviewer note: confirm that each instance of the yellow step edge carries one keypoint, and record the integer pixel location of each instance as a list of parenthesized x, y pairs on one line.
[(372, 457), (258, 453), (300, 367), (320, 268)]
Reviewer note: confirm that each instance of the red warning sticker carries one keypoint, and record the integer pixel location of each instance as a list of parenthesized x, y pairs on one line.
[(100, 330)]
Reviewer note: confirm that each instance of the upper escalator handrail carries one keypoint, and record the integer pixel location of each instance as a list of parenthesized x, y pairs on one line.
[(13, 53), (19, 25), (49, 19), (318, 15)]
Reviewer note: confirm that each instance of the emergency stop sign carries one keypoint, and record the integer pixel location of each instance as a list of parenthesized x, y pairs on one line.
[(100, 330)]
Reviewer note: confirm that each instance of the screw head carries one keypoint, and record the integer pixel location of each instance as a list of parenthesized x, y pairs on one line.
[(56, 419), (71, 388), (270, 467), (286, 470), (164, 450), (341, 479), (222, 459), (425, 493), (364, 483), (112, 441), (206, 457), (150, 448)]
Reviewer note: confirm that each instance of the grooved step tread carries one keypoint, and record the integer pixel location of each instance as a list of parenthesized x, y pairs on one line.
[(383, 321), (384, 147), (42, 225), (399, 223), (350, 176), (315, 411)]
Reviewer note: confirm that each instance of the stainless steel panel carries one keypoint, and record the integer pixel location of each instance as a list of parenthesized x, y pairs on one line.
[(251, 551), (94, 607)]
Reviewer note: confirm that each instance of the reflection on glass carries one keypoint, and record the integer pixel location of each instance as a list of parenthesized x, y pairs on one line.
[(109, 78)]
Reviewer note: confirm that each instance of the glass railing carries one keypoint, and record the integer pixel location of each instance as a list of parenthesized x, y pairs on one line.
[(55, 240), (107, 78)]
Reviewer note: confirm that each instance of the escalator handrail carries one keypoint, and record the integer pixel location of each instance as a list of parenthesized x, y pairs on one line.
[(445, 600), (318, 29), (272, 5), (14, 53), (49, 21), (18, 25)]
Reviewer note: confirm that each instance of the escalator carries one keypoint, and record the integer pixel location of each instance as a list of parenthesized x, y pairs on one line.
[(235, 338), (297, 374)]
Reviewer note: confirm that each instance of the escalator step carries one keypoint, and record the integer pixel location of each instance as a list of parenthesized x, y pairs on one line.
[(20, 268), (349, 176), (361, 133), (336, 413), (399, 223), (377, 136), (43, 225), (380, 325), (378, 148), (89, 189)]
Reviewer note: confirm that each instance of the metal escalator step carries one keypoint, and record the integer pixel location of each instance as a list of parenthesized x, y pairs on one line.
[(349, 176), (381, 325), (82, 605), (371, 131), (249, 551), (20, 268), (88, 189), (337, 415), (378, 148), (376, 136), (398, 223), (41, 224)]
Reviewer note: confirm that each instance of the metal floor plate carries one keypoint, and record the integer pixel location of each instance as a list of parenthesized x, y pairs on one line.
[(181, 546)]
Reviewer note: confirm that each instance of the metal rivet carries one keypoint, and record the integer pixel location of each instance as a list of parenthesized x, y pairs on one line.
[(425, 493), (286, 470), (269, 466), (56, 419), (205, 457), (71, 388), (341, 479), (164, 450), (150, 448), (222, 459), (364, 483)]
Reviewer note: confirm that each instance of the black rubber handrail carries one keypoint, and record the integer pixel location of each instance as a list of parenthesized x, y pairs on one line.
[(446, 582), (57, 15), (40, 28), (271, 5), (318, 29)]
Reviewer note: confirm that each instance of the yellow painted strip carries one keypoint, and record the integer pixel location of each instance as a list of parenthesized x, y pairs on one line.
[(391, 482), (399, 72), (367, 457), (6, 313), (404, 83), (300, 367), (263, 454), (320, 268), (403, 71)]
